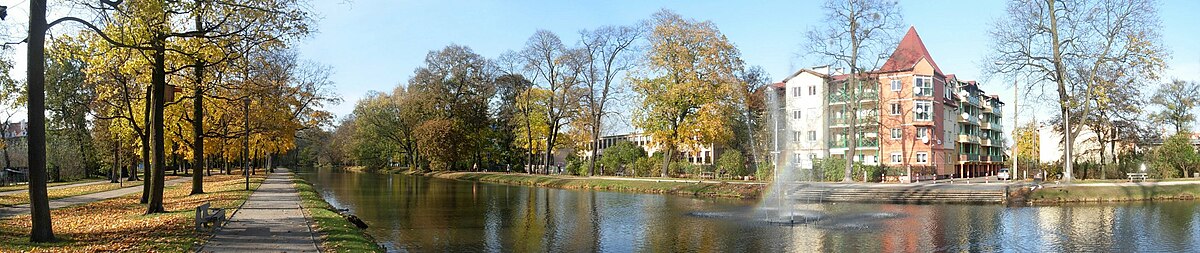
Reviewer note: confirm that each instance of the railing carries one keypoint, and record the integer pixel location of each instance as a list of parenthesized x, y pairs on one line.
[(863, 95), (862, 121), (862, 143), (968, 158), (968, 138), (997, 158)]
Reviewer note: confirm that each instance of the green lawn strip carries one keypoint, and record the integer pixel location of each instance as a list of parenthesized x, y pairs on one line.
[(1115, 193), (725, 190), (336, 233)]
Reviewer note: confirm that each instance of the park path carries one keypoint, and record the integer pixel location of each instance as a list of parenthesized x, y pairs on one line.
[(6, 212), (271, 220), (26, 190)]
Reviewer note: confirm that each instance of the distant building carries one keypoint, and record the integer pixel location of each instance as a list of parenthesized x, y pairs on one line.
[(703, 155)]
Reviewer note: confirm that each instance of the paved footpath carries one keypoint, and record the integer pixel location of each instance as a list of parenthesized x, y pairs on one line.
[(270, 221), (6, 212), (25, 190)]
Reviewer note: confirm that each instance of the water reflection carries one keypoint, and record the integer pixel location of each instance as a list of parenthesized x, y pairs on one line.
[(422, 214)]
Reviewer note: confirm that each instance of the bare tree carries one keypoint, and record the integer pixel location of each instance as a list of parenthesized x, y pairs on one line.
[(1088, 49), (610, 51), (857, 34), (560, 70)]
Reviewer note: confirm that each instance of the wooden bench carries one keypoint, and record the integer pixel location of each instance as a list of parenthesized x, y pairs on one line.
[(1133, 176), (706, 175), (206, 215)]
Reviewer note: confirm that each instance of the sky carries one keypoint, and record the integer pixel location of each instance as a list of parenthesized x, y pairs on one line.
[(375, 45)]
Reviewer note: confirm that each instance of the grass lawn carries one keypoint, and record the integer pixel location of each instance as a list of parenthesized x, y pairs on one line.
[(337, 234), (1115, 193), (21, 187), (745, 191), (119, 224), (18, 199)]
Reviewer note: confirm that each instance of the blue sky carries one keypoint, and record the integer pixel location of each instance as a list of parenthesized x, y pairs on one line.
[(375, 45)]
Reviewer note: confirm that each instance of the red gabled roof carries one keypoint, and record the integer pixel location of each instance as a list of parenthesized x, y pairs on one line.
[(910, 51)]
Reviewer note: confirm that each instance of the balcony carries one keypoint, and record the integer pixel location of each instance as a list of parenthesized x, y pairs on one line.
[(970, 119), (968, 138), (862, 143), (863, 95), (865, 120), (997, 158), (968, 158)]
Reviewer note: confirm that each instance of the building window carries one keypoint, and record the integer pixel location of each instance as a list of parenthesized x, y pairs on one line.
[(812, 90), (795, 91), (949, 91), (896, 157), (924, 86), (798, 157), (897, 133), (896, 84), (923, 110), (812, 135), (796, 136), (922, 132), (895, 108), (922, 157), (796, 114)]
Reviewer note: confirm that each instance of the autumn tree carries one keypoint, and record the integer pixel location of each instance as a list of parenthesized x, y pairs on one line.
[(1028, 144), (687, 85), (455, 85), (857, 35), (1088, 50), (560, 70), (609, 52), (1178, 99)]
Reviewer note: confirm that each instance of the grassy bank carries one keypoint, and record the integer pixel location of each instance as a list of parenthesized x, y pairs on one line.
[(648, 185), (1114, 193), (119, 225), (336, 233)]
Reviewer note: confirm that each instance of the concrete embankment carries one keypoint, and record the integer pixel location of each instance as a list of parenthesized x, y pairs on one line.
[(1116, 192), (900, 193), (699, 188)]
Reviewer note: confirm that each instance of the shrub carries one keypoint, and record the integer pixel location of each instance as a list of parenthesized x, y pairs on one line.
[(764, 172), (732, 162), (620, 156)]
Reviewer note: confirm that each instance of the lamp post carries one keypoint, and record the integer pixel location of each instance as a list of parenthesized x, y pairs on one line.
[(246, 125)]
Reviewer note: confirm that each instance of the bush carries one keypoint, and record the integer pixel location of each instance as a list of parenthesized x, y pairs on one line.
[(620, 156), (732, 162), (1175, 157), (763, 172), (834, 169)]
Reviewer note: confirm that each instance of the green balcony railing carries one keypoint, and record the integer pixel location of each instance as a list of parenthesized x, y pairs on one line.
[(863, 95), (862, 143)]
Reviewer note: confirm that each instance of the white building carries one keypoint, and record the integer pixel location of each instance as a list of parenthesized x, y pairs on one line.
[(704, 154), (806, 137)]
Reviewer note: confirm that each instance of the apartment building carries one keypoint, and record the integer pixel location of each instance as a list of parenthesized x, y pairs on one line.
[(907, 114), (704, 154)]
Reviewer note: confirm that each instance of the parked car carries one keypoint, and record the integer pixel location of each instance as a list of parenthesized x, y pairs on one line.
[(1003, 175)]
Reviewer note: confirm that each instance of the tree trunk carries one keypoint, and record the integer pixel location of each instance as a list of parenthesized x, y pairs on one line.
[(595, 147), (1060, 79), (38, 199), (158, 82)]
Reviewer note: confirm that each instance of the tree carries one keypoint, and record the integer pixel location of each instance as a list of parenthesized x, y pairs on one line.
[(1028, 145), (687, 85), (456, 84), (750, 132), (559, 70), (731, 162), (1176, 156), (610, 51), (620, 156), (1086, 49), (1178, 99), (856, 34), (439, 139)]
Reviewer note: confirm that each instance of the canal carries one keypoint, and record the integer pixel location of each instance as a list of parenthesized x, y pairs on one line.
[(409, 213)]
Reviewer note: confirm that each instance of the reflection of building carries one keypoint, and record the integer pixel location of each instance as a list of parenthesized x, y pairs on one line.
[(704, 154), (907, 113)]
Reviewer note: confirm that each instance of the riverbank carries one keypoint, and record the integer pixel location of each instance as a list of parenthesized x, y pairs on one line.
[(685, 187), (336, 234), (1116, 192)]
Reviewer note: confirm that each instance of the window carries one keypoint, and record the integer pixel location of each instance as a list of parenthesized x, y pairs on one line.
[(796, 114), (924, 86), (795, 91), (895, 108), (922, 157), (798, 157), (896, 157), (922, 132), (812, 135), (796, 136), (896, 85), (897, 133), (949, 91), (812, 90), (923, 110)]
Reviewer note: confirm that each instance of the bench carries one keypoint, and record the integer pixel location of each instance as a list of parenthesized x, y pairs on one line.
[(706, 175), (206, 215), (1133, 176)]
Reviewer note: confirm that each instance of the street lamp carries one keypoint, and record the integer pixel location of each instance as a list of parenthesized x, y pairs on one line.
[(246, 125)]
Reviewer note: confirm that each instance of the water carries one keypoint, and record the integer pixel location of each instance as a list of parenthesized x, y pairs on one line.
[(409, 213)]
